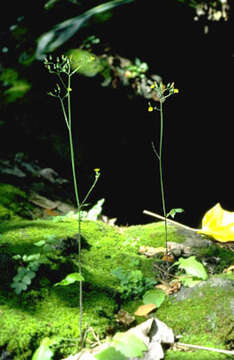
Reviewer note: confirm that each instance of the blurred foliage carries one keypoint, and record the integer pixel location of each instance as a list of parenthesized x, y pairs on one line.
[(76, 27), (88, 68), (13, 87), (28, 38), (63, 31), (209, 10)]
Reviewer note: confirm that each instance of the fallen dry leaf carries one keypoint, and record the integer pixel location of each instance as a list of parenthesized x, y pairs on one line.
[(49, 212), (230, 268), (164, 287), (218, 223), (145, 310), (170, 288), (151, 251), (124, 317)]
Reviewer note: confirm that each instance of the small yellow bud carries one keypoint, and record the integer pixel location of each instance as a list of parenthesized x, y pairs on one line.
[(128, 74), (96, 170), (176, 91), (69, 89), (150, 108), (152, 86)]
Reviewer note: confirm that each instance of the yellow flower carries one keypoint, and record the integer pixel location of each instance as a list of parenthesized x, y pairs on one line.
[(152, 86), (96, 170), (176, 91), (150, 108)]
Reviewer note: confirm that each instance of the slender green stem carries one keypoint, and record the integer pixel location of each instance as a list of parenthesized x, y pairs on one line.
[(161, 172), (64, 67), (65, 80), (64, 112), (62, 82), (77, 202), (90, 190)]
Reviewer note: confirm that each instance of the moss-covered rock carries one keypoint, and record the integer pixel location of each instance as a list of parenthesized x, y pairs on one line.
[(204, 316), (44, 310)]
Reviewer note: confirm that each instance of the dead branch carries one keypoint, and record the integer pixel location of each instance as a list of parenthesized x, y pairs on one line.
[(228, 352), (169, 220)]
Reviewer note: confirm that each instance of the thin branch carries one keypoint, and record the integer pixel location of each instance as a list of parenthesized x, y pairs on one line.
[(64, 112), (155, 151), (90, 190), (228, 352), (62, 82), (169, 220)]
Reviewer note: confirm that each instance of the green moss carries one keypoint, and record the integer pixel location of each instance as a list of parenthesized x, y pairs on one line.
[(55, 315), (198, 323), (14, 201), (110, 250), (5, 214), (195, 355), (223, 256), (152, 234), (45, 310)]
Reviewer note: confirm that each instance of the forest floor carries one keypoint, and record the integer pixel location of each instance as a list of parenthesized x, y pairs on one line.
[(119, 264)]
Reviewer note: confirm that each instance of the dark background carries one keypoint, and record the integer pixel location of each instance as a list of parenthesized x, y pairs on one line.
[(114, 133)]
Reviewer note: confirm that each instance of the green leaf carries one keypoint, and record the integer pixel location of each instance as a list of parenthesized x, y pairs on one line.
[(40, 243), (129, 344), (62, 32), (26, 281), (16, 257), (70, 279), (110, 354), (19, 287), (192, 267), (33, 266), (32, 257), (155, 297), (30, 275), (17, 90), (173, 212), (50, 237), (189, 281), (43, 352), (21, 272)]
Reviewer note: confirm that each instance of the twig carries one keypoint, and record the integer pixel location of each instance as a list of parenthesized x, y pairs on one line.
[(165, 272), (228, 352), (169, 220)]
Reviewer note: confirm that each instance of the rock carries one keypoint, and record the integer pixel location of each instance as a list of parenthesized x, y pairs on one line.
[(15, 171), (193, 239), (152, 332), (197, 290)]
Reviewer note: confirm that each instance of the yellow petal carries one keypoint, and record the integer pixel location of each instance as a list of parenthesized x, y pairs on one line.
[(219, 224)]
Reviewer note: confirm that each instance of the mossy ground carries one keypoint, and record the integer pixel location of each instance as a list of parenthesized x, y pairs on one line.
[(45, 310), (204, 319), (13, 203)]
